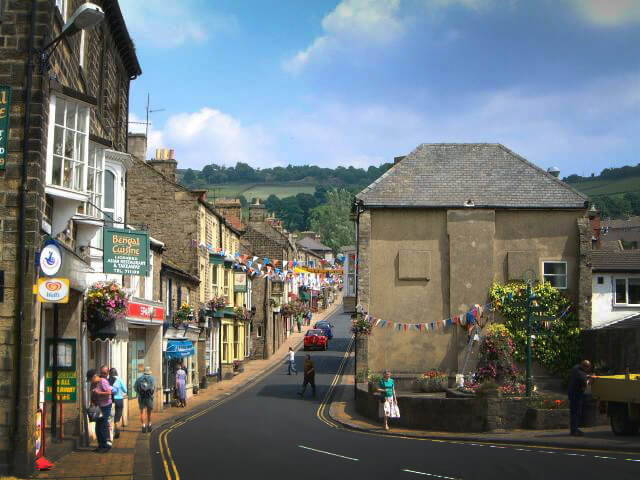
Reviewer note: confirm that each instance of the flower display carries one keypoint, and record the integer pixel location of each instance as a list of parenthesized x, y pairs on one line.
[(218, 302), (183, 314), (242, 314), (107, 300), (361, 326), (433, 381), (496, 356)]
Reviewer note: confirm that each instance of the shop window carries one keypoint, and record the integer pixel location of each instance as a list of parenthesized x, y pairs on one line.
[(69, 133), (236, 342), (600, 280), (555, 273), (627, 291), (225, 343)]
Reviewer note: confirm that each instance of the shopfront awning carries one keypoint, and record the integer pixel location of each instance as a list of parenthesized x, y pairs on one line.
[(177, 349)]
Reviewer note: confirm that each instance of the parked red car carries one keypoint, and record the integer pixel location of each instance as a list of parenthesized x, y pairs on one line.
[(317, 339)]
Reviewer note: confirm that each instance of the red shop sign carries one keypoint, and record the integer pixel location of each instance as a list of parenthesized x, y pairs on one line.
[(143, 311)]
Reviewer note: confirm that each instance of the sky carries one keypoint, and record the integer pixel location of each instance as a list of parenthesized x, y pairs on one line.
[(357, 82)]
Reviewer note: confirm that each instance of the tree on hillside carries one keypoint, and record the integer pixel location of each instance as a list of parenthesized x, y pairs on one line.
[(189, 177), (333, 220), (273, 203), (292, 215)]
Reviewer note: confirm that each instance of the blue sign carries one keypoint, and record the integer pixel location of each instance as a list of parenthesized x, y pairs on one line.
[(177, 349)]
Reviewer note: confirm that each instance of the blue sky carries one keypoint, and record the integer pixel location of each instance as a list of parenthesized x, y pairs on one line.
[(357, 82)]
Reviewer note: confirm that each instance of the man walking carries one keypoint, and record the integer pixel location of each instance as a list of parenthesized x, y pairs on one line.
[(101, 395), (145, 387), (291, 362), (309, 376), (578, 380)]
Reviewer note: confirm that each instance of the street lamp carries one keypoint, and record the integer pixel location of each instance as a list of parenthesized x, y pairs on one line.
[(85, 17)]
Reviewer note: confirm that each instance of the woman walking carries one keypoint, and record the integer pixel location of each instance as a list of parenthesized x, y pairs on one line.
[(119, 392), (388, 408), (181, 386)]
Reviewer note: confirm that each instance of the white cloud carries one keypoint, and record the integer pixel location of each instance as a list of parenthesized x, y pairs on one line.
[(211, 136), (352, 23), (608, 13), (169, 24)]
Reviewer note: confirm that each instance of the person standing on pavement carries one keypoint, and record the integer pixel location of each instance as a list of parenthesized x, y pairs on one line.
[(309, 376), (299, 322), (388, 408), (101, 393), (291, 362), (578, 380), (145, 387), (119, 392), (181, 386)]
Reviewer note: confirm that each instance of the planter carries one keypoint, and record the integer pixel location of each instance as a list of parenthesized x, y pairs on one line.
[(432, 385), (544, 419)]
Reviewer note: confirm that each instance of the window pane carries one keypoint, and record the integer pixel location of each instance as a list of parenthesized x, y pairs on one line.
[(557, 281), (67, 175), (82, 118), (90, 179), (92, 154), (80, 148), (56, 172), (634, 291), (60, 111), (69, 143), (71, 116), (58, 136), (98, 182), (79, 176), (555, 268), (621, 290), (109, 189)]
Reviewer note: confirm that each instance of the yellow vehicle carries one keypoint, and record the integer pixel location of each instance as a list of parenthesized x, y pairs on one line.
[(619, 397)]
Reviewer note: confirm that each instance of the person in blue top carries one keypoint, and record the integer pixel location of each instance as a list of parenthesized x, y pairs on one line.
[(388, 407), (119, 392)]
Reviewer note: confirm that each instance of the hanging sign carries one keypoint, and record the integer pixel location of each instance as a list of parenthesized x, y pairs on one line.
[(50, 259), (239, 282), (5, 107), (126, 252), (53, 290)]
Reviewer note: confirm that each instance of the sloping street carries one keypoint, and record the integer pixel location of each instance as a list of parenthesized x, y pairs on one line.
[(267, 431)]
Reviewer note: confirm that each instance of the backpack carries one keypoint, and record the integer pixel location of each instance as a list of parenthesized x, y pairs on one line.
[(145, 387)]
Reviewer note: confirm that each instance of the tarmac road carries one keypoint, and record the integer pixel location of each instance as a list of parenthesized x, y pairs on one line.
[(267, 432)]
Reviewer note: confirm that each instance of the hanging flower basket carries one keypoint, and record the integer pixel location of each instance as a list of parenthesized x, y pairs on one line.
[(218, 302), (183, 315), (361, 326), (106, 303), (242, 314)]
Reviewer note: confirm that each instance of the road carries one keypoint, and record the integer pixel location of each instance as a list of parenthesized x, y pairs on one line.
[(267, 432)]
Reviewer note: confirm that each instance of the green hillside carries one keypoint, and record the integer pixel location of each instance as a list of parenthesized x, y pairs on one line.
[(259, 190), (605, 186)]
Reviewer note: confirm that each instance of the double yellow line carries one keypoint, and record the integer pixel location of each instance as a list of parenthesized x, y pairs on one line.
[(326, 401)]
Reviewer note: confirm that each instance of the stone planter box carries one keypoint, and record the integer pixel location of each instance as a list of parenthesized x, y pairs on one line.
[(432, 385), (545, 419)]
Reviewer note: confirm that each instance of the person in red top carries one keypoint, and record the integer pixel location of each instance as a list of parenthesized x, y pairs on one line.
[(101, 396)]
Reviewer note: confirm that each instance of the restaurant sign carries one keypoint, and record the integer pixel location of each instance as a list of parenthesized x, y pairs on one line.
[(5, 107), (126, 252)]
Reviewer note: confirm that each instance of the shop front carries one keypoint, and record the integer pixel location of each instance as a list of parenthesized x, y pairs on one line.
[(180, 347)]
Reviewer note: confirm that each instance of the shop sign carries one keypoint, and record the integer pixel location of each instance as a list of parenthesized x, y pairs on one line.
[(239, 282), (50, 259), (5, 108), (216, 259), (53, 290), (146, 312), (277, 288), (126, 252), (67, 386)]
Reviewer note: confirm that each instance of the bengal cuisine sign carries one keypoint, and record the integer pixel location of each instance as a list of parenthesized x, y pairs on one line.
[(126, 252)]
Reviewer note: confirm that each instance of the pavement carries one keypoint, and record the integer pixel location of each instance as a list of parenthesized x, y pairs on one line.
[(130, 456), (267, 431), (599, 438)]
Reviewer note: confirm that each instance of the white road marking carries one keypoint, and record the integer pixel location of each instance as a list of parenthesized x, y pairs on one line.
[(328, 453), (429, 474), (575, 454), (606, 458), (632, 460)]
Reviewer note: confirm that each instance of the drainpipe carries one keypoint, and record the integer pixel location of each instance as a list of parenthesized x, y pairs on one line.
[(22, 369)]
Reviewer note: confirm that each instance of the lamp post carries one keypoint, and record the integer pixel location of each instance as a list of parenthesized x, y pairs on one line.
[(529, 278), (86, 16)]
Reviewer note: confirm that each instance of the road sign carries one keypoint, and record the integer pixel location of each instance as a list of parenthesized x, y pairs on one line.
[(53, 290), (50, 259)]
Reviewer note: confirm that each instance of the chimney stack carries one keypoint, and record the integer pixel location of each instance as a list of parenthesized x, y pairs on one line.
[(257, 211), (165, 163), (137, 145)]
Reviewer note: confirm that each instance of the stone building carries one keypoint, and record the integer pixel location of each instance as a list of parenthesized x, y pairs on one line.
[(199, 241), (443, 224), (67, 114)]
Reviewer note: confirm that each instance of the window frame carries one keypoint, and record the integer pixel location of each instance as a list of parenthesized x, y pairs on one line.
[(97, 172), (565, 275), (54, 105), (63, 7), (626, 291), (110, 211)]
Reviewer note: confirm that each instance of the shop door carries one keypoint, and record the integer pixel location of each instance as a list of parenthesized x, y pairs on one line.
[(213, 350), (136, 351)]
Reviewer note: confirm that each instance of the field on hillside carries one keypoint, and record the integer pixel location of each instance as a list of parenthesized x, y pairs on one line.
[(259, 190), (608, 187)]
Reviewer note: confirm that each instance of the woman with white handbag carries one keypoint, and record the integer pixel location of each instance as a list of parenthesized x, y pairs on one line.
[(388, 402)]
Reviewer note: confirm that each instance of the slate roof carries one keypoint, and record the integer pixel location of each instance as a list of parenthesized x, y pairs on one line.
[(446, 175), (312, 244), (623, 261)]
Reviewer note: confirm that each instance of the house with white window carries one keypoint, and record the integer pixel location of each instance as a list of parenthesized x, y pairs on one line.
[(615, 285), (440, 227), (62, 185)]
